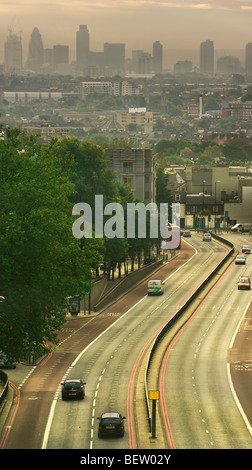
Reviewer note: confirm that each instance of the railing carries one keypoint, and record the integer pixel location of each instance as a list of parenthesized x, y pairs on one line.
[(4, 389)]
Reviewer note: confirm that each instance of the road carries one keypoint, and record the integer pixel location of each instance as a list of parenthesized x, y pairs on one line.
[(198, 397), (104, 351)]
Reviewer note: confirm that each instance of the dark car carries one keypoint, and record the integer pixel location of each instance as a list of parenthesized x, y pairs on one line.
[(6, 363), (187, 233), (73, 388), (111, 424)]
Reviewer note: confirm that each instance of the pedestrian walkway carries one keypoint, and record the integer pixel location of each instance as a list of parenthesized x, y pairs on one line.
[(118, 276)]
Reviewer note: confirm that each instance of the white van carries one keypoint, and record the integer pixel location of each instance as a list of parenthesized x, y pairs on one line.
[(246, 227), (155, 287)]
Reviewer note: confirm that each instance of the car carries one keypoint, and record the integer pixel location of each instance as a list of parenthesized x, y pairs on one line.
[(187, 233), (73, 388), (6, 363), (240, 259), (246, 249), (155, 287), (111, 424), (207, 237), (244, 283)]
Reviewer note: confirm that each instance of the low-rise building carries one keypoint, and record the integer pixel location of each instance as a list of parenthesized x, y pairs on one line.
[(48, 132)]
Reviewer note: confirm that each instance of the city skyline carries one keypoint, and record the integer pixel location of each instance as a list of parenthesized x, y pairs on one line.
[(136, 23)]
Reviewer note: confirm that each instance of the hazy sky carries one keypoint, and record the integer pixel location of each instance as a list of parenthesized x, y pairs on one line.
[(177, 24)]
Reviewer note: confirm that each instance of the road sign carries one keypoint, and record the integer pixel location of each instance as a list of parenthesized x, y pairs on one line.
[(153, 394)]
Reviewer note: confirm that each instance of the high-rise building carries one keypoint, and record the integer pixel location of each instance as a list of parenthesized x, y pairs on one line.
[(60, 55), (207, 57), (157, 57), (114, 58), (248, 58), (228, 65), (183, 66), (136, 54), (82, 49), (13, 54), (36, 51)]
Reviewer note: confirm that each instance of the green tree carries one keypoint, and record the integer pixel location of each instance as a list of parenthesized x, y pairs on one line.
[(41, 262)]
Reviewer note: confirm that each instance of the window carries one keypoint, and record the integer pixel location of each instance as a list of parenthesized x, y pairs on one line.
[(127, 180), (127, 167)]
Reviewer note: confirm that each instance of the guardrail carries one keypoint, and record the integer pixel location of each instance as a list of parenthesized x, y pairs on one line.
[(178, 314), (4, 391)]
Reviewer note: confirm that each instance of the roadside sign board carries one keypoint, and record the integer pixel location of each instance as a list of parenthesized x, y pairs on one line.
[(153, 394)]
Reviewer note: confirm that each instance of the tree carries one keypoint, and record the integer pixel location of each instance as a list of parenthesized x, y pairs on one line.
[(41, 262)]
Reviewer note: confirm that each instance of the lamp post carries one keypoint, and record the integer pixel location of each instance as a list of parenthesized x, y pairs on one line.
[(215, 206), (203, 205)]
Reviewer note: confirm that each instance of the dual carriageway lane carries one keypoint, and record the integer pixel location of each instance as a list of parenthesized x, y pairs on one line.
[(108, 363)]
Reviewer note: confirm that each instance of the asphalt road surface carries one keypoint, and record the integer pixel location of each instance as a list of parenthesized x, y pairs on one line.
[(105, 352)]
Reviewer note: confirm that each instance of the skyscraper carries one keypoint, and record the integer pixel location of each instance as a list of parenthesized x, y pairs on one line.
[(114, 57), (82, 49), (13, 54), (60, 55), (157, 57), (207, 57), (36, 51), (248, 58)]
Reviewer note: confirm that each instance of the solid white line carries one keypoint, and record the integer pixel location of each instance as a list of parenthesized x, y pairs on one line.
[(52, 410), (238, 326), (230, 379), (48, 425), (237, 401)]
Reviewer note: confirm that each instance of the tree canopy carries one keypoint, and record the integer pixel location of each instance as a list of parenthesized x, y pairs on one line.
[(41, 262)]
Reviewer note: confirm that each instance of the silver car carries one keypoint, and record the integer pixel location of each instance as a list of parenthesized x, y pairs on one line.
[(240, 259)]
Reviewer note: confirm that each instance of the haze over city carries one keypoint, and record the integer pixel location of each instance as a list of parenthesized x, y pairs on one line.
[(179, 26)]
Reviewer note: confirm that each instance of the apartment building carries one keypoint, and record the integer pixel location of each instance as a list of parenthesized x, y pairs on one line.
[(136, 168), (239, 110), (139, 117)]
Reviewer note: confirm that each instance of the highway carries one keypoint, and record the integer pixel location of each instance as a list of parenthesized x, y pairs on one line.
[(198, 401), (106, 352)]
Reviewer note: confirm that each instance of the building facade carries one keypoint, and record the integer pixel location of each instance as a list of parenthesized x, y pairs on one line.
[(82, 49), (13, 59), (207, 57), (139, 117), (136, 168), (157, 57), (248, 58), (36, 51), (60, 55), (114, 58)]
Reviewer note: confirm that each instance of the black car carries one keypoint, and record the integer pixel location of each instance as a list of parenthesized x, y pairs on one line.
[(111, 424), (6, 363), (73, 388)]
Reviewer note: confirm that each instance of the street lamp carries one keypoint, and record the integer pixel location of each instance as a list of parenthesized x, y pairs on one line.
[(203, 204), (203, 194), (215, 206)]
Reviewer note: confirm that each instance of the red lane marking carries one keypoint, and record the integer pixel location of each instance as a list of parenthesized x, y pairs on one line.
[(167, 355), (130, 391), (12, 416)]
